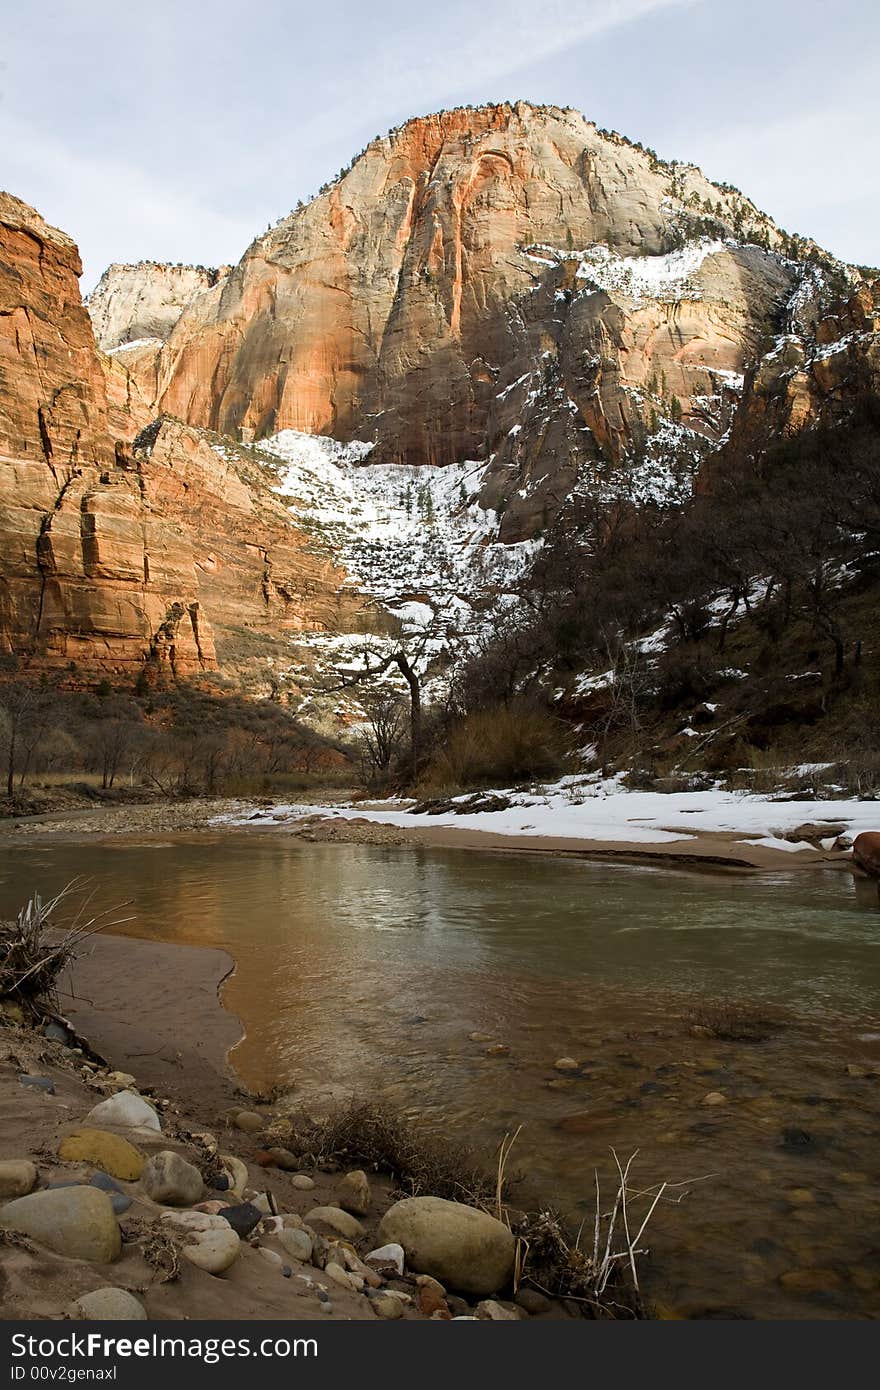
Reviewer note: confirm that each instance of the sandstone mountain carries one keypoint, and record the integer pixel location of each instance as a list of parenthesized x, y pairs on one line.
[(497, 309)]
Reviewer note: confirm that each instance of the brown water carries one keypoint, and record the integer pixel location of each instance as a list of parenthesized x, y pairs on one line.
[(363, 969)]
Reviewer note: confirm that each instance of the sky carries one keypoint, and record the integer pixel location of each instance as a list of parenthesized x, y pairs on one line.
[(178, 131)]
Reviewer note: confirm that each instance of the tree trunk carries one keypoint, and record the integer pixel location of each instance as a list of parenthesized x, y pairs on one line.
[(415, 708)]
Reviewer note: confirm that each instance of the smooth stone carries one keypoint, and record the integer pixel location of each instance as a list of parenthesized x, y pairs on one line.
[(565, 1064), (109, 1152), (121, 1078), (277, 1158), (56, 1033), (339, 1275), (242, 1218), (496, 1312), (171, 1181), (236, 1172), (120, 1200), (497, 1050), (107, 1305), (194, 1221), (39, 1083), (303, 1182), (714, 1098), (18, 1177), (125, 1110), (479, 1037), (78, 1222), (354, 1193), (342, 1222), (298, 1244), (249, 1122), (532, 1301), (386, 1306), (466, 1249), (387, 1257), (214, 1250), (270, 1256)]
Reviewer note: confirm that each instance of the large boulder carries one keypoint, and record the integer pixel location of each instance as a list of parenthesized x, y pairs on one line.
[(866, 852), (464, 1248), (78, 1222)]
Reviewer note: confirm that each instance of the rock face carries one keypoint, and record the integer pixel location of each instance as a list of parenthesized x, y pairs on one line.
[(135, 302), (473, 268), (464, 1248), (53, 400)]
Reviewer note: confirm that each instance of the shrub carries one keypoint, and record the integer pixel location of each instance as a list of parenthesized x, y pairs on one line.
[(506, 744)]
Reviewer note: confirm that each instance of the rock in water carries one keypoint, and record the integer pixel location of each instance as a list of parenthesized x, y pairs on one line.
[(17, 1177), (336, 1220), (107, 1305), (126, 1110), (78, 1222), (866, 852), (464, 1248), (169, 1179), (110, 1152), (354, 1193)]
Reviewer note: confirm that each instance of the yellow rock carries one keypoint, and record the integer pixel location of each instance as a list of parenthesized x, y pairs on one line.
[(110, 1152)]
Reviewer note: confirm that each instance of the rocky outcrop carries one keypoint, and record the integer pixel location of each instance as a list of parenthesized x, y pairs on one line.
[(135, 302), (433, 295), (53, 400)]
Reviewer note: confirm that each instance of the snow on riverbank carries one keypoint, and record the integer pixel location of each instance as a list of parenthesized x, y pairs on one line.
[(577, 808)]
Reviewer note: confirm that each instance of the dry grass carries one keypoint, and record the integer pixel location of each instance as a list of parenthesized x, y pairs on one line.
[(602, 1275), (368, 1136), (36, 947), (728, 1021), (158, 1247)]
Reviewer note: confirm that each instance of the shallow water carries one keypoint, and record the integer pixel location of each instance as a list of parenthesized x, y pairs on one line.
[(362, 969)]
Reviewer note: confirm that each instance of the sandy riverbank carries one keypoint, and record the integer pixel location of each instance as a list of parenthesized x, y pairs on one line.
[(678, 840)]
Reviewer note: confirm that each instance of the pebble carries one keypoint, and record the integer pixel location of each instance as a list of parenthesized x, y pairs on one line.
[(354, 1193), (39, 1083), (800, 1196), (107, 1305), (342, 1222), (121, 1078), (125, 1110), (565, 1064), (170, 1180), (214, 1250), (497, 1050), (78, 1222), (270, 1256), (18, 1177), (338, 1275), (479, 1037), (242, 1218), (714, 1098), (303, 1182), (387, 1257), (110, 1152), (248, 1121), (194, 1221)]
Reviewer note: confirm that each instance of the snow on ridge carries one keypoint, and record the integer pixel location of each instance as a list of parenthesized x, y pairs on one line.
[(135, 343), (665, 277)]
